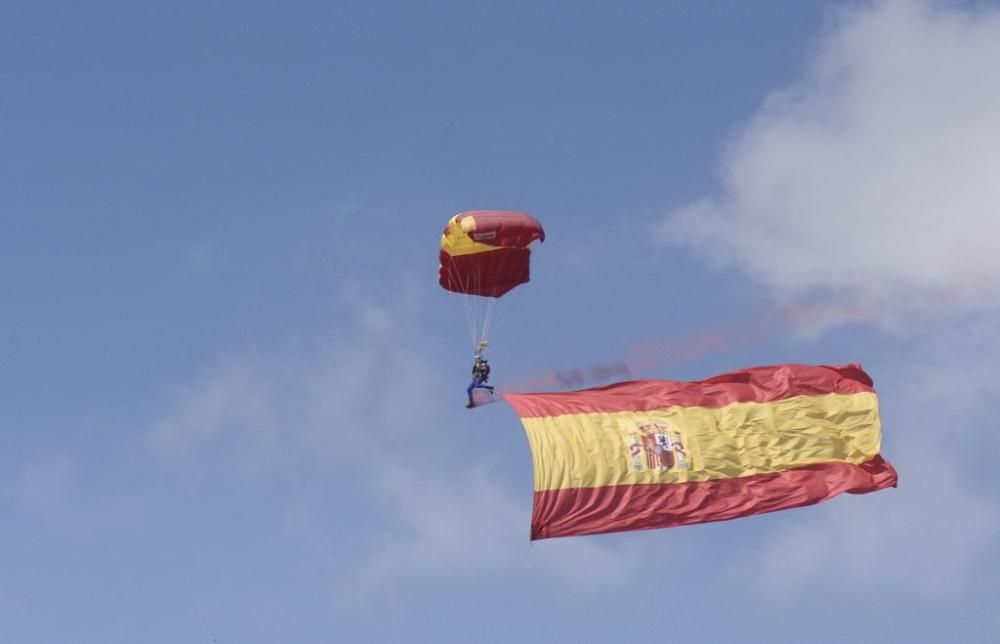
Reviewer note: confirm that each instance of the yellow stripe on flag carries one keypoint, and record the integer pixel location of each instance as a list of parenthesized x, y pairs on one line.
[(690, 444)]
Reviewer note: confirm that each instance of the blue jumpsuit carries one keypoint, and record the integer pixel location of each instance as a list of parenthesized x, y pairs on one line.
[(480, 374)]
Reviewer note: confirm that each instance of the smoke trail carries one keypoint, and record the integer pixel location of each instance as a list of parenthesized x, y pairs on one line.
[(649, 355), (653, 355)]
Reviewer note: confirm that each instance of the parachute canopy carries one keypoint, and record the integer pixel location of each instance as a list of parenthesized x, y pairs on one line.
[(658, 453), (487, 252)]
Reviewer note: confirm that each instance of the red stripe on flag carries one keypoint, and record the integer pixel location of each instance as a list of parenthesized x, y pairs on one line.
[(580, 511), (757, 384)]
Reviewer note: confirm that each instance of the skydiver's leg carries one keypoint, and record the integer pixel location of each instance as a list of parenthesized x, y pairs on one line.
[(476, 382)]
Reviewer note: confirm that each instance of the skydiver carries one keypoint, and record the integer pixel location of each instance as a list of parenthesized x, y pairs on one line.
[(480, 376)]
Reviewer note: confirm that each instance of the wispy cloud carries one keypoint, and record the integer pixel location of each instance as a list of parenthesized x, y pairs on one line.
[(268, 409), (362, 411), (868, 192), (875, 179)]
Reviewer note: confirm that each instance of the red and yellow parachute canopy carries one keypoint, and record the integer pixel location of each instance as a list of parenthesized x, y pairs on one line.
[(487, 252)]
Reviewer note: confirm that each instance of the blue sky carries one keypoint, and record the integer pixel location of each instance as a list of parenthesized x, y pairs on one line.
[(232, 404)]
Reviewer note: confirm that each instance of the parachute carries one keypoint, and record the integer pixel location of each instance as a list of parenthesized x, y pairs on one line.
[(484, 255)]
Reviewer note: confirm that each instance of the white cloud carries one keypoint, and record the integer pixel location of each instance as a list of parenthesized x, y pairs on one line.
[(876, 179), (873, 188), (279, 410), (364, 413)]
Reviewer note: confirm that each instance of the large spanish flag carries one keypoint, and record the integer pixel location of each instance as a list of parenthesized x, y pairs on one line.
[(658, 453)]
